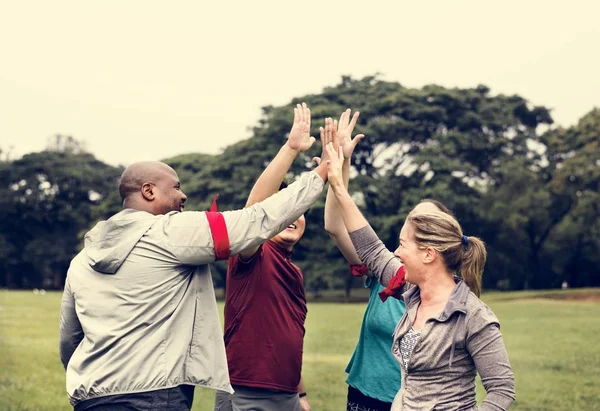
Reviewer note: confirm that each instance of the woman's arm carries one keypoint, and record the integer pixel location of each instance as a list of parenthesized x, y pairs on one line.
[(369, 248), (334, 223), (486, 346)]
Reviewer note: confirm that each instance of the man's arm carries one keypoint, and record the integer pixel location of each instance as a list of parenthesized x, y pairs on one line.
[(304, 405), (190, 238), (269, 181), (70, 331)]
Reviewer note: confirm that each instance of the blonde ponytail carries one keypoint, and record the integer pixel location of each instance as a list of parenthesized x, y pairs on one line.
[(473, 261)]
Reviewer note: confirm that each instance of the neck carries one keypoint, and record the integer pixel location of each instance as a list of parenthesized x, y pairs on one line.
[(139, 206), (436, 289)]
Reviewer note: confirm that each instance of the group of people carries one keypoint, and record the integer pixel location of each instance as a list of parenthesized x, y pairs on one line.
[(140, 328)]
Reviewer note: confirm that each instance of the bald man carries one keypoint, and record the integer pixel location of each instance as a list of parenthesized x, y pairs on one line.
[(139, 322)]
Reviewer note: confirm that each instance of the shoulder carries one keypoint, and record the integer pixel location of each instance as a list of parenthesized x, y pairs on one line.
[(479, 314), (239, 265)]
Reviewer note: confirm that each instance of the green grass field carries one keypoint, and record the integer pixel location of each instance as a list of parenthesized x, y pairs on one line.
[(551, 337)]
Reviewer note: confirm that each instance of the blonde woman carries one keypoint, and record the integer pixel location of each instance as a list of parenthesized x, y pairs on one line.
[(447, 334)]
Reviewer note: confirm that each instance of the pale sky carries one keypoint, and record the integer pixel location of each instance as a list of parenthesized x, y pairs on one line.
[(146, 80)]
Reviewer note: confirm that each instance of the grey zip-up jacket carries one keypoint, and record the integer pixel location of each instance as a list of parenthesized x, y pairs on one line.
[(139, 312), (464, 340)]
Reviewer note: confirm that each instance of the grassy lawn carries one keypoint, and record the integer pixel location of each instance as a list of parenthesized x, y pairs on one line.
[(551, 337)]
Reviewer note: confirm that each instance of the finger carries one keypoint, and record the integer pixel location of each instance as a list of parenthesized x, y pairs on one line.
[(307, 116), (340, 153), (317, 160), (300, 113), (334, 136), (341, 122), (346, 118), (303, 108), (354, 120), (330, 150), (296, 117), (323, 138), (357, 139), (311, 141)]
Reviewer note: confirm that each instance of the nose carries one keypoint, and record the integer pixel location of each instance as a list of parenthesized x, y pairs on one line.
[(183, 196), (397, 252)]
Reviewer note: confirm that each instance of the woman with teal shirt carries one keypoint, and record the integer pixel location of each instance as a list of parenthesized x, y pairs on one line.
[(373, 372)]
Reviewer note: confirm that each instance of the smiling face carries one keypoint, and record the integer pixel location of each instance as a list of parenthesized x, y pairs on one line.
[(410, 254), (168, 194), (412, 257), (292, 234)]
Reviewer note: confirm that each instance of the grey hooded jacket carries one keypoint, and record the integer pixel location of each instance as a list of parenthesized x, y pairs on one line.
[(464, 340), (138, 310)]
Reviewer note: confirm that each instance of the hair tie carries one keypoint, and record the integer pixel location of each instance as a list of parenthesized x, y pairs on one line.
[(465, 240)]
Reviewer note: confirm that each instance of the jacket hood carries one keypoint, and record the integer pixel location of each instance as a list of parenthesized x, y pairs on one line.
[(109, 243)]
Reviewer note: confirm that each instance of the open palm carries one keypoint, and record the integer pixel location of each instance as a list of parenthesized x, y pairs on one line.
[(299, 138), (344, 133)]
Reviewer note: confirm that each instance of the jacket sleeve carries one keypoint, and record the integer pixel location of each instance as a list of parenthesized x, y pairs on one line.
[(70, 331), (372, 252), (189, 237), (486, 346)]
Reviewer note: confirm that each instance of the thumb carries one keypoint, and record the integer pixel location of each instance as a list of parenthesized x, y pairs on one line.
[(356, 140), (316, 160)]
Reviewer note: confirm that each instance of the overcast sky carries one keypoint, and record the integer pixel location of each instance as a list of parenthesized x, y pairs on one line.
[(145, 80)]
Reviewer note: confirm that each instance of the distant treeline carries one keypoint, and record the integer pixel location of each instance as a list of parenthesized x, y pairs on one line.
[(529, 189)]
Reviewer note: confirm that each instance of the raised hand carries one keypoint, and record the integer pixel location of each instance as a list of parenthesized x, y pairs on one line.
[(328, 135), (300, 139), (344, 133), (335, 160)]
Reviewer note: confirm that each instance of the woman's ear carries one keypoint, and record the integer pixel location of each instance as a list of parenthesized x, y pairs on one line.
[(430, 255), (148, 191)]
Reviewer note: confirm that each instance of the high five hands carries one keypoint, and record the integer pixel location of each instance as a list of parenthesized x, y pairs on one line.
[(336, 139), (340, 134)]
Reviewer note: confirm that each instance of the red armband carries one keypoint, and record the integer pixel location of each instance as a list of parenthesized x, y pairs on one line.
[(394, 286), (358, 270), (218, 230)]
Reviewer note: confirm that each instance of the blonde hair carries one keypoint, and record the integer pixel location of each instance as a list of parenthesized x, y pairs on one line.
[(441, 232)]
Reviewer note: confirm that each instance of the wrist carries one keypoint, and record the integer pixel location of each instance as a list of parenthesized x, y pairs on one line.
[(339, 189), (289, 149)]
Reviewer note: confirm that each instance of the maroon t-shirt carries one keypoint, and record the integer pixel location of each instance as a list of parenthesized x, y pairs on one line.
[(265, 310)]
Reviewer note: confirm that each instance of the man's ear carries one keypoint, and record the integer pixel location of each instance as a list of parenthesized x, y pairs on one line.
[(430, 255), (148, 191)]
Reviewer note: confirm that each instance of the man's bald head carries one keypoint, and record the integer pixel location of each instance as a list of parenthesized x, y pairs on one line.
[(151, 186), (138, 174)]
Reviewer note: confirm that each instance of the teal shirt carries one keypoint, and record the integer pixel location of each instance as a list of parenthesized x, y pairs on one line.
[(373, 370)]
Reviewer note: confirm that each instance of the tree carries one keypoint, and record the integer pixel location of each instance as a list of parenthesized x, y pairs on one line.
[(48, 201), (447, 144), (574, 174)]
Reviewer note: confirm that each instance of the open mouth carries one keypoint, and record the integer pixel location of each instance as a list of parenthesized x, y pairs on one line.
[(181, 206), (291, 227)]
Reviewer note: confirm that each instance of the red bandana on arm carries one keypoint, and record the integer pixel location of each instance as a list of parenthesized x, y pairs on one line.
[(218, 230), (394, 286), (358, 270)]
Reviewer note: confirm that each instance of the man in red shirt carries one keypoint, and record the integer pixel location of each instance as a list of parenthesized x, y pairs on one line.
[(265, 306)]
